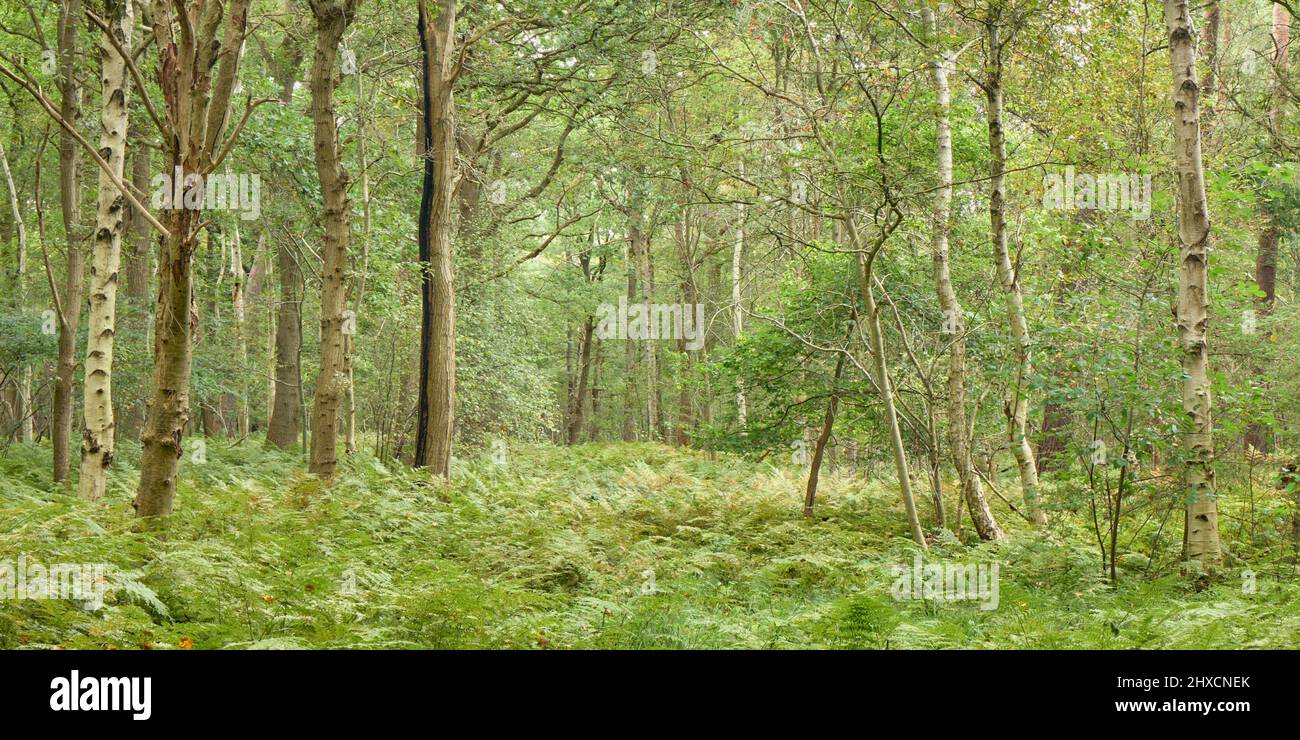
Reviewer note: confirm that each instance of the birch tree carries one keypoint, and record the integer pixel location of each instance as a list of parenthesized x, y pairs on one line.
[(1201, 526), (1016, 401), (23, 412), (737, 307), (100, 427), (105, 262), (954, 321)]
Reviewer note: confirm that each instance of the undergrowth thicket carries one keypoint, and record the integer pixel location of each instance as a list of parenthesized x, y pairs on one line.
[(597, 546)]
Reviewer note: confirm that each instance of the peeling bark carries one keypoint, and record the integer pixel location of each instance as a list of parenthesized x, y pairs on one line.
[(186, 65)]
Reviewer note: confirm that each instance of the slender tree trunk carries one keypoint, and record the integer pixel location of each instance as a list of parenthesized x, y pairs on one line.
[(819, 449), (252, 343), (887, 400), (138, 267), (880, 367), (332, 20), (629, 347), (350, 399), (578, 408), (645, 270), (986, 525), (1202, 519), (285, 416), (1289, 480), (138, 273), (239, 303), (1281, 63), (738, 310), (685, 408), (70, 201), (593, 419), (685, 252), (97, 444), (437, 411), (1016, 403), (209, 288), (282, 429), (23, 411), (1258, 434), (41, 425)]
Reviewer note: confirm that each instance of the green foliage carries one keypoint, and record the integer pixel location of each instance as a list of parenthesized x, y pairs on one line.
[(23, 341), (596, 546)]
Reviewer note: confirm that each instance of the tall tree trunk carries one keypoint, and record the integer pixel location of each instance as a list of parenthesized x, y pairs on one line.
[(70, 201), (358, 297), (239, 299), (986, 526), (138, 268), (253, 288), (1016, 403), (332, 20), (285, 419), (97, 444), (685, 398), (738, 310), (578, 406), (880, 368), (23, 411), (1201, 536), (1258, 434), (138, 273), (645, 274), (209, 288), (282, 429), (630, 412), (685, 252), (437, 412), (193, 95), (887, 399)]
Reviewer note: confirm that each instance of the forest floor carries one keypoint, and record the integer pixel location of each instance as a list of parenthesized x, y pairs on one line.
[(596, 546)]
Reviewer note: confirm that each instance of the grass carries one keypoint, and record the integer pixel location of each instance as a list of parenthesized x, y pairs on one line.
[(596, 546)]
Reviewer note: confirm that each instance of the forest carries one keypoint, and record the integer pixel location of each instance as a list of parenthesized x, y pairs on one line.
[(628, 324)]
